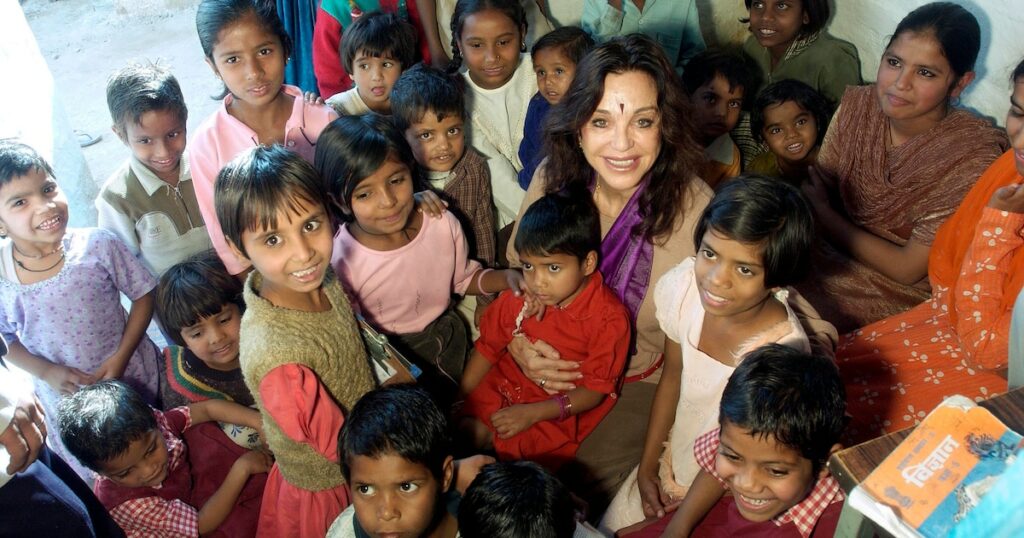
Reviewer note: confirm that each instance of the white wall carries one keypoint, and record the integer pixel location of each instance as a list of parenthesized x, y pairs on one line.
[(869, 23)]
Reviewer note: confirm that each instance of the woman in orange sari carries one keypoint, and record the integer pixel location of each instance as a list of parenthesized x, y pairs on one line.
[(898, 369)]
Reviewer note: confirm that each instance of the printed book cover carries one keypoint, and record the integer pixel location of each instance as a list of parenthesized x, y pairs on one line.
[(941, 471)]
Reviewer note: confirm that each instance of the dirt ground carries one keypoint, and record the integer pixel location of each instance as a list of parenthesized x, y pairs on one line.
[(85, 41)]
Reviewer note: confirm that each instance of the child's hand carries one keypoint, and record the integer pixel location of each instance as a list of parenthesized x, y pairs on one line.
[(255, 462), (66, 380), (652, 498), (112, 368), (816, 189), (430, 204), (313, 99), (510, 421), (1009, 198)]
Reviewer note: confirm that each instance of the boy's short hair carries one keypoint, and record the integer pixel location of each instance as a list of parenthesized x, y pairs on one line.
[(734, 66), (194, 289), (99, 422), (256, 184), (17, 160), (379, 34), (422, 89), (795, 397), (572, 40), (798, 92), (399, 419), (756, 209), (516, 500), (560, 223), (139, 88)]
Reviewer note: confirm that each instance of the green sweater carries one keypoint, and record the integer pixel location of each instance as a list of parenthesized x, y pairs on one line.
[(821, 61), (328, 343)]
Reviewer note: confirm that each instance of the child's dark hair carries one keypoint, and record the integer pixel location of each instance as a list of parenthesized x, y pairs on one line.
[(193, 290), (352, 148), (379, 34), (516, 500), (571, 40), (1018, 73), (213, 16), (17, 160), (954, 28), (422, 89), (256, 184), (139, 88), (401, 420), (758, 210), (798, 92), (733, 66), (513, 9), (795, 397), (817, 12), (560, 223), (99, 422)]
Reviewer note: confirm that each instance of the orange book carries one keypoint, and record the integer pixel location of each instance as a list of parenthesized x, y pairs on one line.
[(942, 469)]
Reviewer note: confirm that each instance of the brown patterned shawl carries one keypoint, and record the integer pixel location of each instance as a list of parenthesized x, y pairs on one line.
[(896, 193)]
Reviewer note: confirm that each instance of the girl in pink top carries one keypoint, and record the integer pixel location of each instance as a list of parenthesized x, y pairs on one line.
[(400, 267), (247, 48)]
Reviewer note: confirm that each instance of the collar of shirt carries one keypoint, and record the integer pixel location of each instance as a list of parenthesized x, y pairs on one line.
[(800, 44), (297, 120), (150, 181), (804, 515)]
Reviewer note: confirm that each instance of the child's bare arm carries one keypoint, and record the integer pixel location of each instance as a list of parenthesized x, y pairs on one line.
[(139, 316), (663, 415), (428, 18), (475, 370), (510, 421), (63, 379), (490, 281), (219, 505), (700, 498), (224, 411)]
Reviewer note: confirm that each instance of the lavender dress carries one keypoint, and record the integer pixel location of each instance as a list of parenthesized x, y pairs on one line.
[(75, 318)]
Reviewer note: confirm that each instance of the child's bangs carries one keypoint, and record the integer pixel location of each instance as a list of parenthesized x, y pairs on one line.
[(261, 207)]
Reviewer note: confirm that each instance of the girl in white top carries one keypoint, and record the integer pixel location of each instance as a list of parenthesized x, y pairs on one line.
[(753, 239), (489, 37)]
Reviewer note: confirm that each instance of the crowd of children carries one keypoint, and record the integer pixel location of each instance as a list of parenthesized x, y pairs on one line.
[(617, 209)]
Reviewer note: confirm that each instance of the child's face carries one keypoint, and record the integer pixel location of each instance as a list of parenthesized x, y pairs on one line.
[(766, 477), (915, 79), (730, 276), (33, 210), (556, 279), (437, 144), (143, 465), (158, 141), (490, 44), (1015, 124), (292, 256), (250, 61), (790, 131), (776, 23), (214, 339), (374, 77), (382, 203), (716, 108), (395, 497), (555, 72)]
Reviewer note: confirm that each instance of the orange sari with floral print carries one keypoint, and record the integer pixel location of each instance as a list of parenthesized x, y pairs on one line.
[(898, 369)]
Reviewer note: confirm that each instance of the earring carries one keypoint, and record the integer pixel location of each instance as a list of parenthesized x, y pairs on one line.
[(522, 47), (955, 102)]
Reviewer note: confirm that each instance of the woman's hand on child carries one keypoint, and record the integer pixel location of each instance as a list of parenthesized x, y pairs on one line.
[(654, 501), (817, 189), (430, 204), (510, 421), (65, 379), (112, 368), (1008, 198), (255, 461), (543, 365), (25, 436)]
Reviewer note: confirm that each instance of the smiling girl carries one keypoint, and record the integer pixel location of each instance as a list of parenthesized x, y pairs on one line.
[(247, 48), (896, 161), (488, 40)]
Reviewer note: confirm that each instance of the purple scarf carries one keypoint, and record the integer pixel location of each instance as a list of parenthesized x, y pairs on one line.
[(626, 258)]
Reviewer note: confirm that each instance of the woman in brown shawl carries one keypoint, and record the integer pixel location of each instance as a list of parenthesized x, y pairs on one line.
[(896, 162)]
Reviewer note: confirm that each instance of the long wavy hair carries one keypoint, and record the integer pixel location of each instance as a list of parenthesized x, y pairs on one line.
[(681, 155)]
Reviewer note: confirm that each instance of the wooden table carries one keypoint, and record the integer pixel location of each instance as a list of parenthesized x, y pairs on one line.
[(854, 464)]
